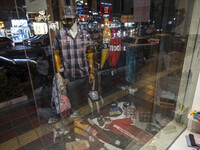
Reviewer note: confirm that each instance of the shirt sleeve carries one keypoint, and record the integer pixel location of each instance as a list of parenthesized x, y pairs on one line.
[(89, 41), (56, 42)]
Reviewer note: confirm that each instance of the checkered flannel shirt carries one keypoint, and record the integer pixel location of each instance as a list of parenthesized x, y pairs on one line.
[(74, 51)]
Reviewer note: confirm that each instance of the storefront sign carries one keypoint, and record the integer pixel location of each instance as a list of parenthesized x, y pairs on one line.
[(40, 28), (35, 5), (19, 23), (141, 10)]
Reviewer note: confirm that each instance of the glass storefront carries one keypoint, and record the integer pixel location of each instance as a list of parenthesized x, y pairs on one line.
[(101, 74)]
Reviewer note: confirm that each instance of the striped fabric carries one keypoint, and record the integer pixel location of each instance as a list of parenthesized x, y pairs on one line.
[(74, 51)]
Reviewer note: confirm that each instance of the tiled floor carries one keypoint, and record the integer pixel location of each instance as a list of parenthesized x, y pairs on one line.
[(22, 128)]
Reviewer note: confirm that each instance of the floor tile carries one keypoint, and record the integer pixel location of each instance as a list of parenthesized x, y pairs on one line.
[(28, 137), (17, 115), (32, 116), (20, 121), (5, 127), (36, 123), (3, 112), (4, 119), (35, 145), (5, 136), (23, 129), (11, 144), (30, 110), (48, 139), (56, 146)]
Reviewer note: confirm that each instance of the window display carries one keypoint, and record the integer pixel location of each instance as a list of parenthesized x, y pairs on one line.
[(106, 75)]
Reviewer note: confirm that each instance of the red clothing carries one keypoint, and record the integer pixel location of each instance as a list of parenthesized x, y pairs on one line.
[(125, 127), (115, 48)]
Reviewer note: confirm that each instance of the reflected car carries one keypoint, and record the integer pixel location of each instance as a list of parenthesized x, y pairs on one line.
[(137, 41), (41, 40), (141, 44), (6, 43), (17, 67), (25, 42), (155, 39)]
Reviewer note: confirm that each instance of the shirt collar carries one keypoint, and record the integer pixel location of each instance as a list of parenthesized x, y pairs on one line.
[(69, 34)]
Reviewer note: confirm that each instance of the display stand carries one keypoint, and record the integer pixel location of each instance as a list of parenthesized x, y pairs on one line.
[(193, 124)]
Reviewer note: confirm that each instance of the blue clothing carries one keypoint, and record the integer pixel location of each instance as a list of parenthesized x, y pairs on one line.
[(131, 54)]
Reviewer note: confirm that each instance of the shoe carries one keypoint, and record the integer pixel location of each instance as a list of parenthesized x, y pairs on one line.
[(107, 120), (62, 131), (75, 114), (125, 87), (132, 91), (52, 120), (101, 121)]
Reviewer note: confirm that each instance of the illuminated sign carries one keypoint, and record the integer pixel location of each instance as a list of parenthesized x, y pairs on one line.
[(1, 25), (40, 28), (106, 10), (19, 23), (108, 4)]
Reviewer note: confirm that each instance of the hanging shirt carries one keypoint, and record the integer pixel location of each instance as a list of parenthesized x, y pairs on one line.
[(115, 49), (74, 51)]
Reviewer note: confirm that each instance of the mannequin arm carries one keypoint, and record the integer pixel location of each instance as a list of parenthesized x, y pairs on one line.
[(90, 55), (57, 60)]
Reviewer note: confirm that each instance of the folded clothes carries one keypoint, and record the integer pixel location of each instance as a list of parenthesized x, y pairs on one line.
[(78, 145), (191, 136), (197, 139), (189, 142), (114, 111)]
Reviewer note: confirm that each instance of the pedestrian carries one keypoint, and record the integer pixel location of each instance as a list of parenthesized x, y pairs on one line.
[(43, 70)]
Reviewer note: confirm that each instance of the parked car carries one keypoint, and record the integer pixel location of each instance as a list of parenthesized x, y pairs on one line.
[(25, 42), (141, 44), (6, 43), (42, 40), (17, 67), (156, 38)]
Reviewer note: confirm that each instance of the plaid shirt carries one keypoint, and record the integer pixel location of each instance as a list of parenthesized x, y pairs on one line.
[(74, 51)]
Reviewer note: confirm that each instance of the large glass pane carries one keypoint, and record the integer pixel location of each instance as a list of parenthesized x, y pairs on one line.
[(97, 74)]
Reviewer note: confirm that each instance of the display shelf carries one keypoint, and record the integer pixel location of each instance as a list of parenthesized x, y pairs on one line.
[(191, 118)]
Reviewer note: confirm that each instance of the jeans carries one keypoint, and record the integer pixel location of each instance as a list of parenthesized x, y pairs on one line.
[(43, 80), (77, 91)]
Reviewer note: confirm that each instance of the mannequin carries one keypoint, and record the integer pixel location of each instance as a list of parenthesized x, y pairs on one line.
[(75, 47), (73, 31)]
